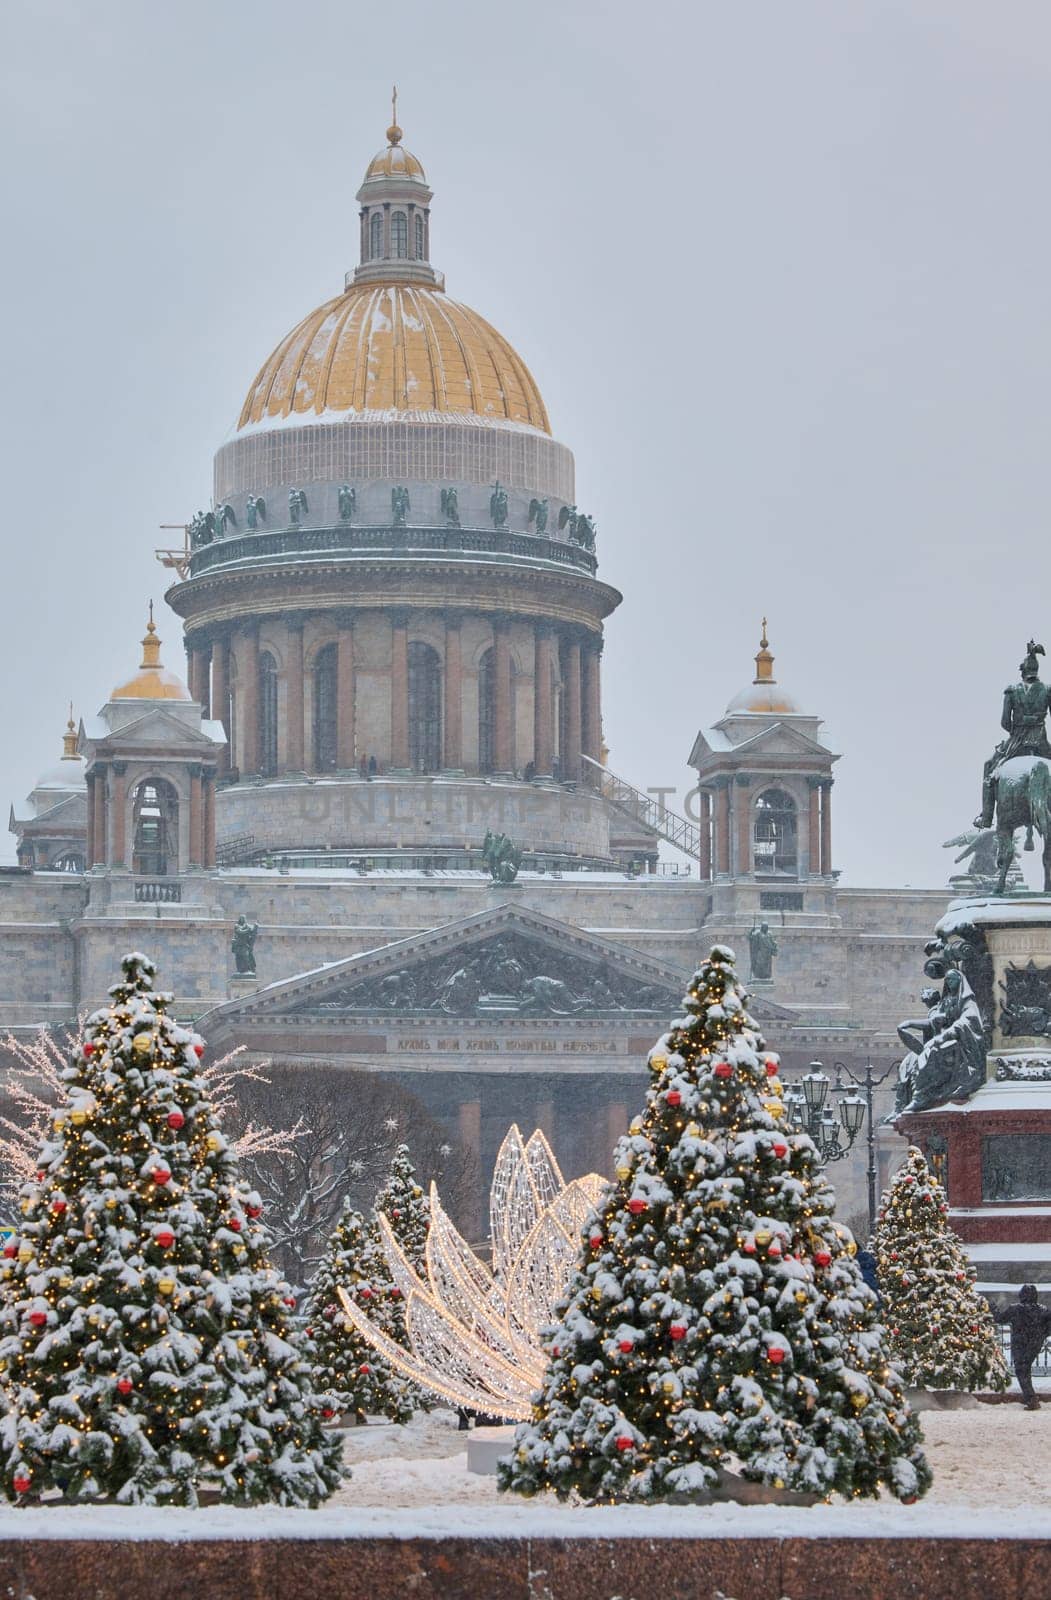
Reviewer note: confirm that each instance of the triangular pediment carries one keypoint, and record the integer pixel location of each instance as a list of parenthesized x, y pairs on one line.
[(504, 964), (156, 727)]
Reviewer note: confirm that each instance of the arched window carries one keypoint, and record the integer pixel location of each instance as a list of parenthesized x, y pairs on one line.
[(325, 709), (420, 248), (376, 236), (267, 713), (425, 707), (775, 833), (155, 821), (486, 712), (399, 235), (68, 861)]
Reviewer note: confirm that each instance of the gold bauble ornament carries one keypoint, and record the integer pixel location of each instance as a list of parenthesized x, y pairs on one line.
[(801, 1298), (859, 1401), (774, 1085), (25, 1253), (166, 1285), (763, 1236), (692, 1129), (142, 1044), (65, 1283), (658, 1063), (93, 1320), (78, 1117), (773, 1108), (111, 1201), (623, 1172), (635, 1125), (214, 1141), (852, 1248), (242, 1344), (596, 1294)]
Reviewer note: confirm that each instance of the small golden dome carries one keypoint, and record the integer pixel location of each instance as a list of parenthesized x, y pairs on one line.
[(764, 695), (401, 347), (152, 681)]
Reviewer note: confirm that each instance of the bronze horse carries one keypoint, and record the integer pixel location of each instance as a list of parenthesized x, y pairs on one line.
[(1023, 800)]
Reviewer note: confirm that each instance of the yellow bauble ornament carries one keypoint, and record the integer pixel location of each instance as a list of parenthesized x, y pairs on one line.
[(623, 1172), (774, 1085), (801, 1298), (852, 1248), (242, 1344), (635, 1125), (166, 1285), (214, 1141), (142, 1044), (59, 1123), (65, 1283), (111, 1201), (93, 1320), (596, 1294), (859, 1401), (692, 1129), (773, 1108), (25, 1253), (658, 1063), (78, 1117), (763, 1236)]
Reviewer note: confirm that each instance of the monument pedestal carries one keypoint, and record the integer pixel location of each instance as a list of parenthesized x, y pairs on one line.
[(993, 1150)]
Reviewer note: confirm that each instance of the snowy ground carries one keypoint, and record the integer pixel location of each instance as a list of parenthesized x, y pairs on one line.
[(992, 1470)]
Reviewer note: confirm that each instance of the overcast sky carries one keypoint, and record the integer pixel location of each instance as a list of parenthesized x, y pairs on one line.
[(780, 270)]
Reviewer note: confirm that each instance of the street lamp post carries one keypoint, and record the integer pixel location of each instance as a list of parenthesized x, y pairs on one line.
[(834, 1136)]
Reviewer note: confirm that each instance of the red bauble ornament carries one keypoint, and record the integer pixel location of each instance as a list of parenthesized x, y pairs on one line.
[(198, 1051), (41, 1175), (89, 1051), (124, 1385), (364, 1368), (58, 1206), (771, 1067), (723, 1069), (38, 1318), (290, 1299), (908, 1500), (636, 1206), (234, 1223), (749, 1247), (21, 1485), (161, 1176), (674, 1098), (677, 1330), (624, 1443), (775, 1355), (175, 1119), (595, 1241), (626, 1346), (822, 1258), (555, 1351), (164, 1237), (395, 1215), (328, 1411), (254, 1211), (366, 1293), (10, 1250), (779, 1148), (395, 1292), (775, 1248)]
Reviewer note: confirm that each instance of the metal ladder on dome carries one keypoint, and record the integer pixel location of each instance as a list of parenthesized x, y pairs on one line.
[(643, 808)]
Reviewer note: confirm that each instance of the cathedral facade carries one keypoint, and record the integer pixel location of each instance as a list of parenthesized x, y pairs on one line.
[(394, 624)]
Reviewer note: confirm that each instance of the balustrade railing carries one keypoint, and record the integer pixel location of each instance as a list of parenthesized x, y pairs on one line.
[(305, 541), (161, 891)]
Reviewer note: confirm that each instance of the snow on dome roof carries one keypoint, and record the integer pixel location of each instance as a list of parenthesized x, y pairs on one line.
[(69, 772), (764, 694)]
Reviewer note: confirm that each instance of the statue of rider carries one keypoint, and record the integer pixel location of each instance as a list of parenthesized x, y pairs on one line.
[(1026, 706)]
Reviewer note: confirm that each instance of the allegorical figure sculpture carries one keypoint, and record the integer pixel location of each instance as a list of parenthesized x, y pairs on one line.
[(297, 504), (946, 1059), (502, 856), (498, 505), (1030, 1324), (347, 501), (451, 508), (1016, 781), (399, 506), (255, 510), (243, 946), (538, 515), (762, 948)]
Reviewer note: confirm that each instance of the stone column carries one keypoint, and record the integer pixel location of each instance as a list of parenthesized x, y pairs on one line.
[(743, 817), (814, 828), (345, 693), (100, 853), (826, 828), (89, 841), (571, 677), (208, 820), (295, 752), (705, 826), (196, 839), (543, 708), (469, 1129), (248, 701), (220, 697), (452, 754), (502, 738), (120, 795), (399, 690), (722, 828), (199, 661), (591, 728)]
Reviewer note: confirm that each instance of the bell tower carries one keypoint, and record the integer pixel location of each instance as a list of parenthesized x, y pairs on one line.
[(764, 773)]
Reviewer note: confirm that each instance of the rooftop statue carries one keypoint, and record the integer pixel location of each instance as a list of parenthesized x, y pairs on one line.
[(1016, 783)]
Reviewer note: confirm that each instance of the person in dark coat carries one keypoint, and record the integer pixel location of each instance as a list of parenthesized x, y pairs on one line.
[(1030, 1324), (867, 1265)]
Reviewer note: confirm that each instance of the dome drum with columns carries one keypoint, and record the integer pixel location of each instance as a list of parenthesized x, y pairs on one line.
[(395, 581)]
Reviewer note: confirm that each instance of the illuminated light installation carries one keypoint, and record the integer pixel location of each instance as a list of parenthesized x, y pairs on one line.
[(474, 1332)]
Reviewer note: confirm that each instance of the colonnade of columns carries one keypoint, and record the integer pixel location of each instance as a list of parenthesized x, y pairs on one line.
[(109, 840), (564, 656)]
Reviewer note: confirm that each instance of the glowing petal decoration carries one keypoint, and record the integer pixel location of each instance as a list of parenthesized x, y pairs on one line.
[(474, 1334)]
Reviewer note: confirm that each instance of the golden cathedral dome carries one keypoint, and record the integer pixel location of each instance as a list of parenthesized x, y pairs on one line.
[(395, 346), (152, 681), (395, 161)]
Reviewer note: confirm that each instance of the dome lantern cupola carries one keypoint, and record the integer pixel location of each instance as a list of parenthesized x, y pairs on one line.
[(763, 696), (395, 202)]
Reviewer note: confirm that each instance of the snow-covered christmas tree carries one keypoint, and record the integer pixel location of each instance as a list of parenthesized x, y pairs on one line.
[(349, 1374), (942, 1334), (144, 1343), (405, 1206), (717, 1322)]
